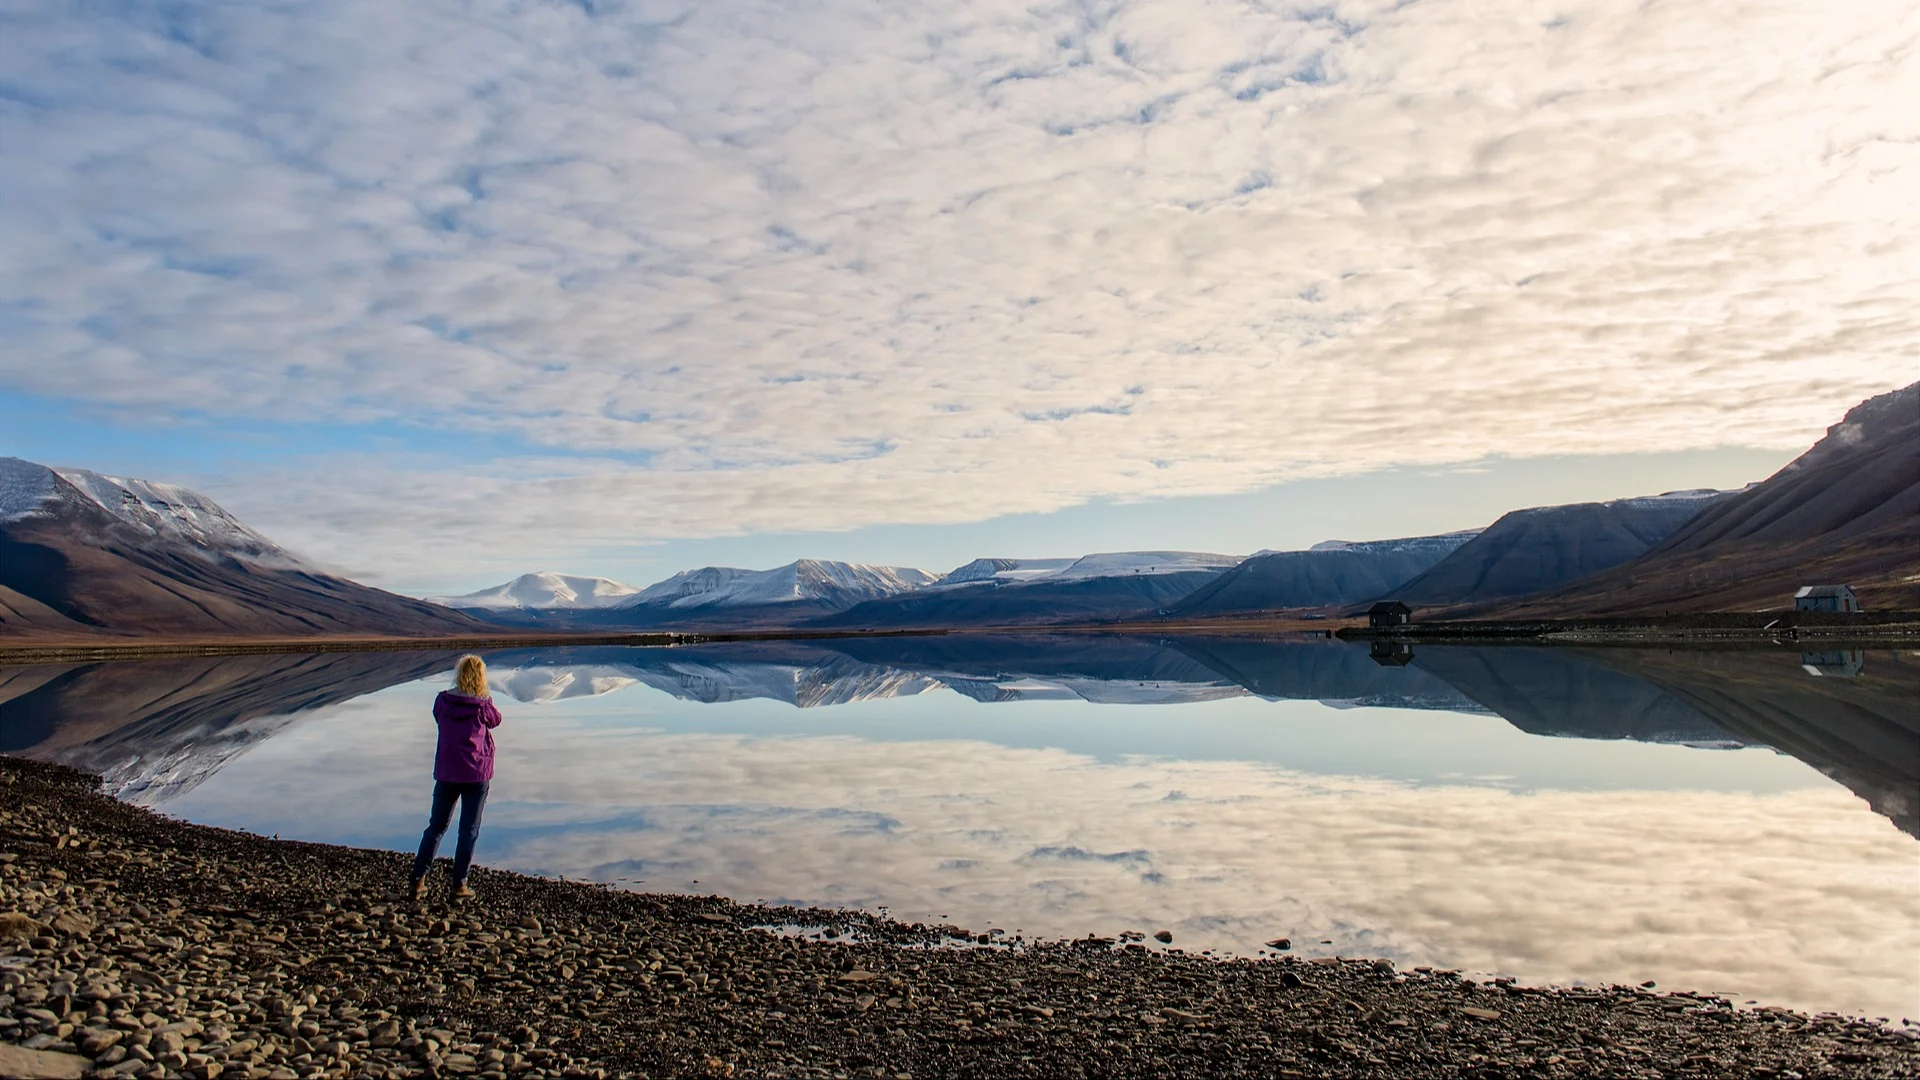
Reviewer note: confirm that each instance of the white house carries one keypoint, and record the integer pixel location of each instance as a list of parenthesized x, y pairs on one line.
[(1826, 598)]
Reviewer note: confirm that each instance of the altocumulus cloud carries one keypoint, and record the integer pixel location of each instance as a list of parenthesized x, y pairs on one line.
[(751, 265)]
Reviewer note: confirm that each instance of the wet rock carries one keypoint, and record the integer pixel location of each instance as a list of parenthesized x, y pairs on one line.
[(1164, 937)]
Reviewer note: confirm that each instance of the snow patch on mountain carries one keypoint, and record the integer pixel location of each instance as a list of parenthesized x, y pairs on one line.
[(1150, 692), (24, 488), (1666, 497), (544, 590), (1086, 567), (171, 512), (1123, 563), (805, 580), (1004, 571), (1443, 541)]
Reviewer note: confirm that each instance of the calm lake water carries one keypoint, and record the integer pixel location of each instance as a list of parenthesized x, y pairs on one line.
[(1740, 822)]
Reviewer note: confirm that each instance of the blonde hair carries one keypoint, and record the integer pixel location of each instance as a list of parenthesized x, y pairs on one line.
[(470, 676)]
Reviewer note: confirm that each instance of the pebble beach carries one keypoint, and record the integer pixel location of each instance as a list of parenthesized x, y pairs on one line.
[(133, 945)]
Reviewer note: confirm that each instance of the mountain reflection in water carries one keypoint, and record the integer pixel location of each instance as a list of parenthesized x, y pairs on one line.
[(156, 728), (1061, 818)]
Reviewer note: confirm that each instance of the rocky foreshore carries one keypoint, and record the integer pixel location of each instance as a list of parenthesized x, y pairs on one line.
[(132, 945)]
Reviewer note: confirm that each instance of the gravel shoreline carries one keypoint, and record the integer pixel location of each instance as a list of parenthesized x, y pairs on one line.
[(132, 945)]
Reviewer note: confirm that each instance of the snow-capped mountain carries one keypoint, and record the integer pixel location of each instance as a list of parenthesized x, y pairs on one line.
[(164, 512), (544, 591), (815, 581), (84, 554), (712, 596)]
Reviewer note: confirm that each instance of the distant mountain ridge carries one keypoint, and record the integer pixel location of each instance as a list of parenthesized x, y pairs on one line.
[(823, 593), (1102, 587), (83, 554), (1331, 574), (1862, 476), (709, 596), (1526, 551)]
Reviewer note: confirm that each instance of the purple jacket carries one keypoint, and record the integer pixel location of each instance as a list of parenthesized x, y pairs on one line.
[(465, 754)]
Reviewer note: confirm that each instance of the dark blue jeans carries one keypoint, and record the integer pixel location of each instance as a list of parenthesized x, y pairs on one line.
[(472, 799)]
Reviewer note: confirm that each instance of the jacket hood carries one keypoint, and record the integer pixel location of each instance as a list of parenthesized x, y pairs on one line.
[(462, 706)]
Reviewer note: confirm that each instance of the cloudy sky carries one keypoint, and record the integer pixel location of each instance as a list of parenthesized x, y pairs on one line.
[(441, 292)]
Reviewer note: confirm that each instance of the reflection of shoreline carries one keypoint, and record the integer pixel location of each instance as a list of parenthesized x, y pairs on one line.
[(1870, 629), (155, 729), (160, 727), (21, 650), (1549, 881), (1859, 725)]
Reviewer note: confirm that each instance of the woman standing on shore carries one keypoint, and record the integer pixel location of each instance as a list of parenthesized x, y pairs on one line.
[(462, 769)]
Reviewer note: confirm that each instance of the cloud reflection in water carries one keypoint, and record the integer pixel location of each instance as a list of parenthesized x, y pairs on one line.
[(1799, 896)]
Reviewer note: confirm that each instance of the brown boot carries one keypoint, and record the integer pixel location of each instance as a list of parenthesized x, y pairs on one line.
[(416, 889), (462, 891)]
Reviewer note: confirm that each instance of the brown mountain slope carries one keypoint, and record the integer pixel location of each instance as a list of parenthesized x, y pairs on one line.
[(1845, 512), (69, 565), (24, 613)]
